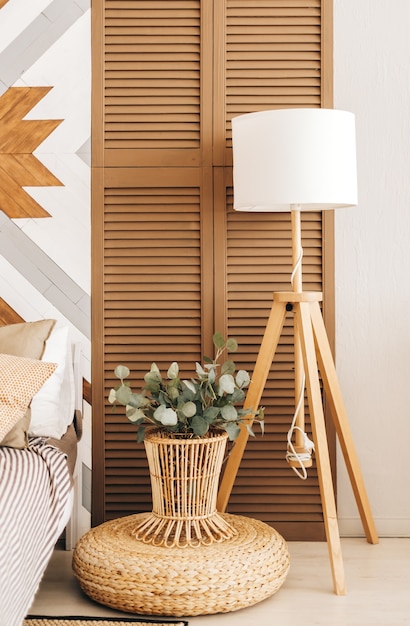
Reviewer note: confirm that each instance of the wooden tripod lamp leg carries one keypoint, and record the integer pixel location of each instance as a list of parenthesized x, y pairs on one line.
[(321, 446), (334, 396), (262, 367)]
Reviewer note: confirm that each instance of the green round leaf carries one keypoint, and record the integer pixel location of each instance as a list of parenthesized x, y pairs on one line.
[(153, 387), (199, 426), (242, 378), (232, 429), (166, 416), (173, 370), (200, 371), (140, 434), (123, 394), (189, 409), (172, 392), (219, 341), (211, 413), (112, 396), (229, 413), (238, 396), (190, 385), (226, 384), (134, 414), (228, 367), (153, 377), (121, 371), (231, 345)]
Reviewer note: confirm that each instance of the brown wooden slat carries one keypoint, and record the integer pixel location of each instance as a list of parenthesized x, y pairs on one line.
[(14, 200)]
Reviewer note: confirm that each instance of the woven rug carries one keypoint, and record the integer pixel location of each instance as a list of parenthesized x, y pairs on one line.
[(42, 620)]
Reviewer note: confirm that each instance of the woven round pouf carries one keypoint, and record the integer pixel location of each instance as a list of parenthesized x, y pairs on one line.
[(117, 570)]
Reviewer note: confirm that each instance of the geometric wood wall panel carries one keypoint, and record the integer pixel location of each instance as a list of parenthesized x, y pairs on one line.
[(44, 160), (18, 139)]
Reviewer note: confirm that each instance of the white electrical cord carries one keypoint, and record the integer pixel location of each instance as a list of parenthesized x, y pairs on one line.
[(308, 445), (300, 458), (292, 454)]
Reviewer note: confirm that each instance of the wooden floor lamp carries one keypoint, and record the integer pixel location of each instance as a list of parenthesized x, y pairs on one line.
[(295, 160)]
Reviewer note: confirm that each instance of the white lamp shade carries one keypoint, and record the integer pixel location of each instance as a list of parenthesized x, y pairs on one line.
[(288, 158)]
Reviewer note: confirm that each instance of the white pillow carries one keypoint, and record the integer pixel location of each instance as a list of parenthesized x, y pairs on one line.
[(52, 408)]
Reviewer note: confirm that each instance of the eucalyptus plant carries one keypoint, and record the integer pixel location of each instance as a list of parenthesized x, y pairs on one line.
[(192, 406)]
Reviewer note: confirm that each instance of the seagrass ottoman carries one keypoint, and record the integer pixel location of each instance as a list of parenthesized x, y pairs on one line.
[(118, 570)]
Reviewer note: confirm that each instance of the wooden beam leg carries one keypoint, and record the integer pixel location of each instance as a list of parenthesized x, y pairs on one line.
[(321, 446), (334, 396), (262, 367)]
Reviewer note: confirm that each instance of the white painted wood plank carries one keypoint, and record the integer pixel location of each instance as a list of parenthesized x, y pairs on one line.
[(15, 16)]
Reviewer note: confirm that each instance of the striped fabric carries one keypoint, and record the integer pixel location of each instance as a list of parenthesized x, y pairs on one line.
[(34, 489)]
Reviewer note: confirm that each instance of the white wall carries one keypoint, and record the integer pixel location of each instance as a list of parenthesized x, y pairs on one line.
[(372, 79)]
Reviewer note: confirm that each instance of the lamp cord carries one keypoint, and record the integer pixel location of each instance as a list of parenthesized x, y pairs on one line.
[(309, 446), (292, 454)]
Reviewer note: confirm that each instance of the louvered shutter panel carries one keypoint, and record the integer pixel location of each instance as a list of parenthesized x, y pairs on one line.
[(273, 54), (172, 261), (153, 310), (152, 81)]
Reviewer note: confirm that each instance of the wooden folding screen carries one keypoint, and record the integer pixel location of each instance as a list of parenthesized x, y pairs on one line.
[(172, 261)]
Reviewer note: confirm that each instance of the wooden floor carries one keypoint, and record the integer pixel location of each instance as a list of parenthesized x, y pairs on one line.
[(378, 580)]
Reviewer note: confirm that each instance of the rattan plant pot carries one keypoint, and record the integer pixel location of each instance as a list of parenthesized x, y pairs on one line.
[(184, 481)]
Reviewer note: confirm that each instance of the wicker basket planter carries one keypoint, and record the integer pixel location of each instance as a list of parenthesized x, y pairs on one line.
[(183, 557), (184, 480)]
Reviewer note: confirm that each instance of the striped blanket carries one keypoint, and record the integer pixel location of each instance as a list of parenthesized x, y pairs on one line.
[(34, 489)]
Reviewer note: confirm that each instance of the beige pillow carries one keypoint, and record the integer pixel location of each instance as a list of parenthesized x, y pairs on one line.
[(17, 437), (26, 338), (20, 379)]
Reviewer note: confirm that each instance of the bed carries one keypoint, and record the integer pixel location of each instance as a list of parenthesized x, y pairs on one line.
[(40, 426)]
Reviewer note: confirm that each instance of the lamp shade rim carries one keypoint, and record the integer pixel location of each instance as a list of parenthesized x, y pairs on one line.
[(288, 206)]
